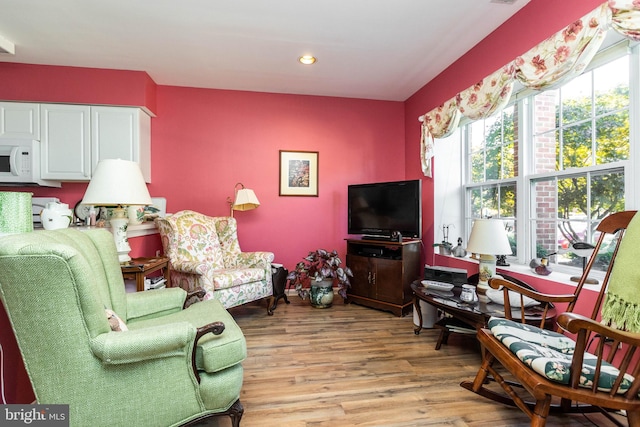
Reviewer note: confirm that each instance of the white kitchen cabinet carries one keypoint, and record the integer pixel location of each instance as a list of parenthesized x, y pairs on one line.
[(76, 137), (121, 133), (20, 120), (65, 142)]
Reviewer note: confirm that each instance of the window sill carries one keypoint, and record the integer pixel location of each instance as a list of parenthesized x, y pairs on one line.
[(556, 277)]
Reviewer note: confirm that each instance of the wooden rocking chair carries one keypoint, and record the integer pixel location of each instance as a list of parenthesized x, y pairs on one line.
[(599, 365)]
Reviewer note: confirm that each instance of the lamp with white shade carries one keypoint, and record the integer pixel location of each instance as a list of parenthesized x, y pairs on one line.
[(118, 183), (488, 238), (245, 199)]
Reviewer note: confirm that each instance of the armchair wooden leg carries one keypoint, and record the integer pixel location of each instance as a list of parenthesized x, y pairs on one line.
[(633, 418), (235, 412), (478, 386), (540, 412), (481, 376)]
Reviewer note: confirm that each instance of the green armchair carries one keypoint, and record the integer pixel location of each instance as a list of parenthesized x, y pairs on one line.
[(166, 366)]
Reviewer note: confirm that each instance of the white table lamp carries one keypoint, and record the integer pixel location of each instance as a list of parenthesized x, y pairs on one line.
[(488, 238), (118, 183)]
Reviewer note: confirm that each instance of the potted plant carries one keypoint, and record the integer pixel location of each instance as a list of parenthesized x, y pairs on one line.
[(445, 246), (320, 271)]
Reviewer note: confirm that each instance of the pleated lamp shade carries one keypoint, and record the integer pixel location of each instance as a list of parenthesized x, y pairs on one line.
[(245, 200)]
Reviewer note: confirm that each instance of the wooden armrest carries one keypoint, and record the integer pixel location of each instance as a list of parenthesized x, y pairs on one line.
[(216, 328), (194, 296), (523, 290), (575, 323), (608, 342)]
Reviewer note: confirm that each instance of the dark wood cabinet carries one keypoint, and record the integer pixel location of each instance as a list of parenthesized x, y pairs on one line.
[(382, 273)]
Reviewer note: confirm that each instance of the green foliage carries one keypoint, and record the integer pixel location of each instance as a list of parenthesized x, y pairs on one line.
[(580, 147), (318, 266), (577, 150)]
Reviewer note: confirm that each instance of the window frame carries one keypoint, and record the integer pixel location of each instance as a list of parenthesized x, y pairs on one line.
[(524, 179)]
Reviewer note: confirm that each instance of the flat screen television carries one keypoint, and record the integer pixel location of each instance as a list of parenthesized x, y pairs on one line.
[(377, 210)]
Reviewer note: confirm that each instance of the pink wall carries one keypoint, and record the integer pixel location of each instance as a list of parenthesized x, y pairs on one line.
[(49, 83), (535, 22), (205, 141)]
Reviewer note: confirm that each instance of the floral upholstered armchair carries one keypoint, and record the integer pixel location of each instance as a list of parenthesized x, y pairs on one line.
[(204, 252)]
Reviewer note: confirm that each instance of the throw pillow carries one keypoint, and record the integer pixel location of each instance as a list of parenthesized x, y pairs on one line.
[(550, 354), (497, 296), (115, 321)]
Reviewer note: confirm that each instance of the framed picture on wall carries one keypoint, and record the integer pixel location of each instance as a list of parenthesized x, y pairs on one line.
[(298, 173)]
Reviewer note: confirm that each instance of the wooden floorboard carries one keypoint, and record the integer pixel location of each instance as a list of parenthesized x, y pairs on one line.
[(350, 365)]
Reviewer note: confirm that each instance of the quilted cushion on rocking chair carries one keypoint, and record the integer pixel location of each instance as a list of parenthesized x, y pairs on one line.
[(549, 354)]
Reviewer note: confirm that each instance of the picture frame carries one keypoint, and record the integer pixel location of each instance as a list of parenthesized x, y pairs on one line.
[(299, 173)]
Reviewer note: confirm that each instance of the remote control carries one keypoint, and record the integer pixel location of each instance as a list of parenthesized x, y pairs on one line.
[(438, 286)]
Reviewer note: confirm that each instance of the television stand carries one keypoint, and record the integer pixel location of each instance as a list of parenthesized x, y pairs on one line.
[(382, 273), (377, 238)]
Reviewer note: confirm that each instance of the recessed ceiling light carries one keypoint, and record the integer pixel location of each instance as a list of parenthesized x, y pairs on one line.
[(307, 59)]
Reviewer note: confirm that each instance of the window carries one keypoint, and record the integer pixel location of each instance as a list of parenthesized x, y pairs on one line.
[(492, 168), (553, 163)]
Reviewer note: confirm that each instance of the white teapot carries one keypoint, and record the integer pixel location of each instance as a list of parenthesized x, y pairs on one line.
[(56, 215)]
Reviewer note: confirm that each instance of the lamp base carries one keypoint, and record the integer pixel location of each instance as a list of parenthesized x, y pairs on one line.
[(481, 291), (119, 224), (486, 270)]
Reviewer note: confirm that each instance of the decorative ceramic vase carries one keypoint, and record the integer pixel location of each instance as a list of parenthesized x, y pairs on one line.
[(322, 293), (459, 251), (135, 214), (56, 215)]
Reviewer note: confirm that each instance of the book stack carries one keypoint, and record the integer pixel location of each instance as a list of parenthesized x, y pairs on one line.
[(155, 283)]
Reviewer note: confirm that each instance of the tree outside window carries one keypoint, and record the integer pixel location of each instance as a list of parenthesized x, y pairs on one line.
[(577, 144), (588, 137)]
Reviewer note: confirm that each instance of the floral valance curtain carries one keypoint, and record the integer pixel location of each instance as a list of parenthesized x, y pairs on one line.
[(565, 54), (626, 18), (555, 60), (487, 96), (437, 123)]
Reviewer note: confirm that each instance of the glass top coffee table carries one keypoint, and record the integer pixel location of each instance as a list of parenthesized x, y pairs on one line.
[(466, 317)]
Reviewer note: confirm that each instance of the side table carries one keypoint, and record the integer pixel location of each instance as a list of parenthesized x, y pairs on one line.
[(279, 281), (468, 317), (138, 268)]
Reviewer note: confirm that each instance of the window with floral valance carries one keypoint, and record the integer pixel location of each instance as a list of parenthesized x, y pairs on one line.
[(557, 59)]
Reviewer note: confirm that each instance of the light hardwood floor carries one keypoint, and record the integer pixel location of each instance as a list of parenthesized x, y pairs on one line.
[(354, 366)]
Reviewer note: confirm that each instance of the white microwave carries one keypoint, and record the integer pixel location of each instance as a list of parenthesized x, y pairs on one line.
[(20, 163)]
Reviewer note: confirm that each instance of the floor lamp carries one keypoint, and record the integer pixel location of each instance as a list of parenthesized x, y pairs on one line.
[(244, 199)]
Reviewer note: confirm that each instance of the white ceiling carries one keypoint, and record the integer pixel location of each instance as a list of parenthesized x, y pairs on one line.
[(374, 49)]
